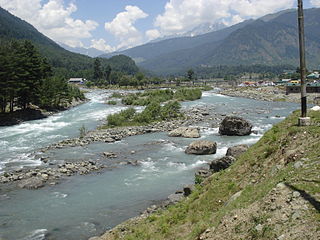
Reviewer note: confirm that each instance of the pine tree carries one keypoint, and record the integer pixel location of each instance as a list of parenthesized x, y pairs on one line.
[(97, 72)]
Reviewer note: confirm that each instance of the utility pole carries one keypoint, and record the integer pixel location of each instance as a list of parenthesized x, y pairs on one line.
[(303, 120)]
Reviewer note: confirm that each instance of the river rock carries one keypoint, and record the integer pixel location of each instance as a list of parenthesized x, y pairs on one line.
[(110, 155), (235, 126), (202, 147), (186, 132), (237, 150), (221, 163), (188, 189), (174, 198), (31, 183)]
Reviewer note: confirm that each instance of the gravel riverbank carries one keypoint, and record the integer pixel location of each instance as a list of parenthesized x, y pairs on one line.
[(268, 93)]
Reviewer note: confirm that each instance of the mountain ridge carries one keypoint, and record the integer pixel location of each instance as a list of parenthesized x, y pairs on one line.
[(270, 40)]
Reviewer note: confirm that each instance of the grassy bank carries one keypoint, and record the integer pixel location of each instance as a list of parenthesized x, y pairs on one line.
[(270, 192)]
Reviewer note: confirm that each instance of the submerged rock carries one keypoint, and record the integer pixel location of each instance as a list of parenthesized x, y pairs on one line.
[(187, 132), (202, 147), (235, 126)]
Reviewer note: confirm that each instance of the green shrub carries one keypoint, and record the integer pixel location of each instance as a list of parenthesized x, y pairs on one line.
[(112, 102), (189, 94), (170, 110), (152, 113), (122, 118), (116, 95)]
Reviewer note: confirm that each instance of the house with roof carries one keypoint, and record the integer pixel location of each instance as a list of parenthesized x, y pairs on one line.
[(77, 80)]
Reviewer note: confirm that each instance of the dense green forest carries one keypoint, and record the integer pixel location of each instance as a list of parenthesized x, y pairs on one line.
[(27, 78)]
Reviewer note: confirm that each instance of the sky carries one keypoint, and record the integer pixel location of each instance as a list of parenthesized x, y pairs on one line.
[(111, 25)]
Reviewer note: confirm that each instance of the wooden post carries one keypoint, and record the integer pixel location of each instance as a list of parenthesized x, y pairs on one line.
[(302, 60)]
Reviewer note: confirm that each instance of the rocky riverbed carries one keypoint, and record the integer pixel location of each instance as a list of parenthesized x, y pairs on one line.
[(192, 116), (51, 173)]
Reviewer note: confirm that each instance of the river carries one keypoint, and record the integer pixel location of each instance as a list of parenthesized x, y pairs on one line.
[(85, 206)]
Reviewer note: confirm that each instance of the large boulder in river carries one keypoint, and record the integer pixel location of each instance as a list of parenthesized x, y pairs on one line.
[(237, 150), (235, 126), (221, 163), (202, 148), (186, 132)]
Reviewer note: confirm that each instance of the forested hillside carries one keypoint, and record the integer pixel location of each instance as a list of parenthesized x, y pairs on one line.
[(64, 63)]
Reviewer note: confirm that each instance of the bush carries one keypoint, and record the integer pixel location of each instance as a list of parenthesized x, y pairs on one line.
[(153, 112), (122, 118), (189, 94), (116, 95), (146, 98), (112, 102), (170, 110)]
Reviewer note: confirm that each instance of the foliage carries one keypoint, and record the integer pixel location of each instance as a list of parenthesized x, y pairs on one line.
[(122, 118), (116, 95), (26, 78), (152, 113), (111, 102), (82, 131), (190, 74), (147, 97), (190, 94)]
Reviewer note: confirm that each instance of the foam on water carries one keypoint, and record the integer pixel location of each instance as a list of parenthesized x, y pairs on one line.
[(172, 147), (59, 195), (209, 131), (149, 166), (277, 117), (221, 151), (38, 234)]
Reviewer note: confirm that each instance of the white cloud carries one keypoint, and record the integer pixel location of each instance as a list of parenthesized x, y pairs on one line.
[(183, 15), (101, 45), (315, 3), (152, 34), (122, 27), (52, 19)]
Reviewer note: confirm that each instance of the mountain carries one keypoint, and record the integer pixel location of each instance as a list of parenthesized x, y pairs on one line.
[(205, 28), (271, 41), (153, 50), (198, 30), (91, 52), (64, 62)]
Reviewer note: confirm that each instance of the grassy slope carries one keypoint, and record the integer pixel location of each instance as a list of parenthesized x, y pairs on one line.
[(210, 214)]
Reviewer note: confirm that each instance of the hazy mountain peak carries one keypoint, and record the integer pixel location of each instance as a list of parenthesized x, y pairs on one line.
[(91, 52)]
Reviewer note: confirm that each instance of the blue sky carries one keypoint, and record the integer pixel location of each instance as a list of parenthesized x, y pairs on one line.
[(110, 25)]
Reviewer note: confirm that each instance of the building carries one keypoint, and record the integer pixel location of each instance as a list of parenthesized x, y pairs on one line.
[(296, 88), (77, 80), (314, 75)]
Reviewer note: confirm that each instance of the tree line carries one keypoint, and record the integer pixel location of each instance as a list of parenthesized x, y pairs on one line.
[(104, 75), (26, 78)]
